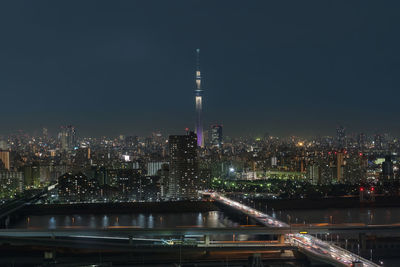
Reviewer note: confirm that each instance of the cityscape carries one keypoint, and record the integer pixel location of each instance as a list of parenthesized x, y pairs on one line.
[(171, 172), (163, 168)]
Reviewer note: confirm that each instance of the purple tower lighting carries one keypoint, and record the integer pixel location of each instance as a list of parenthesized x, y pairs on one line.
[(199, 102)]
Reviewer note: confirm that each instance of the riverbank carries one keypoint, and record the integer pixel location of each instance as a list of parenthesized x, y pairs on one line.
[(326, 203), (204, 206)]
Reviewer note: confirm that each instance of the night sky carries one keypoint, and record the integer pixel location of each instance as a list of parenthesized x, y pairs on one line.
[(127, 67)]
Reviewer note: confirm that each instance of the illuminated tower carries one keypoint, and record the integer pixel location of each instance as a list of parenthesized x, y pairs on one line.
[(199, 100)]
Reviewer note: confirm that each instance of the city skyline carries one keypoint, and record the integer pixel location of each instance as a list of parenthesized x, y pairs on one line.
[(111, 69), (208, 132), (122, 145)]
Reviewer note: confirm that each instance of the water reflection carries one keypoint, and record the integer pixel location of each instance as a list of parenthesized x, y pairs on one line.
[(52, 223), (92, 222), (208, 219), (165, 220), (150, 221), (199, 219), (105, 221)]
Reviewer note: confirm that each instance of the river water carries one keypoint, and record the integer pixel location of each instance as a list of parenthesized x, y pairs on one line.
[(210, 219), (339, 216), (162, 220)]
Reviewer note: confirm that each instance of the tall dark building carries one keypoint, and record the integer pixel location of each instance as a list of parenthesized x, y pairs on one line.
[(387, 168), (216, 135), (341, 137), (378, 141), (361, 140), (183, 170)]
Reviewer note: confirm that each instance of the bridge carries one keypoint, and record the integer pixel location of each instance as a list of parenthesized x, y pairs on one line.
[(167, 243), (306, 243), (10, 207)]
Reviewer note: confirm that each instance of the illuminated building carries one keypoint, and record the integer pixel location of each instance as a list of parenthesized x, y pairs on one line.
[(340, 162), (32, 175), (10, 183), (153, 167), (314, 174), (183, 171), (77, 187), (67, 138), (199, 104), (216, 135), (5, 158)]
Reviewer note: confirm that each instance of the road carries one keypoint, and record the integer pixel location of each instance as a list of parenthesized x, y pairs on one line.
[(309, 244)]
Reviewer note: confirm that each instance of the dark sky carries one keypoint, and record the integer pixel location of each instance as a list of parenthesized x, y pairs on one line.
[(283, 67)]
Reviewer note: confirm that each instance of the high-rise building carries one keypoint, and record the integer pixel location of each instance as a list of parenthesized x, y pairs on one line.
[(5, 158), (387, 168), (341, 137), (361, 140), (67, 138), (216, 135), (153, 167), (314, 173), (4, 145), (199, 104), (183, 170), (77, 187), (340, 163), (378, 142), (45, 133)]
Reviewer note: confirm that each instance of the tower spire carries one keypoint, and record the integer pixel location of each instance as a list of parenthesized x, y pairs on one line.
[(198, 73), (199, 100)]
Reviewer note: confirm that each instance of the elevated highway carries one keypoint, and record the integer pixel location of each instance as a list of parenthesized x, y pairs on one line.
[(122, 231), (309, 245), (30, 197)]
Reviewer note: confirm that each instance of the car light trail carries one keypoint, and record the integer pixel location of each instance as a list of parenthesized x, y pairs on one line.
[(306, 242)]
